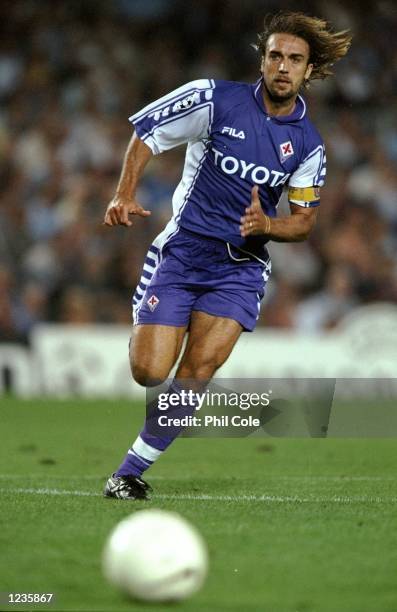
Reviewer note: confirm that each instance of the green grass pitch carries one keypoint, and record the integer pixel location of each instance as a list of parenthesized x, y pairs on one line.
[(292, 525)]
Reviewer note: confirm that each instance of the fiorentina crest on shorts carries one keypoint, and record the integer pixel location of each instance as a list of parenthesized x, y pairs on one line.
[(152, 302), (286, 150)]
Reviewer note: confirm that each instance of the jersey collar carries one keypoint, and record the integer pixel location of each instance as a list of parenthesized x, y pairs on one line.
[(297, 114)]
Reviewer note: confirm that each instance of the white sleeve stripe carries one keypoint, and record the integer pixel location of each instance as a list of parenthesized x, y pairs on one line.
[(320, 166), (308, 173), (159, 105), (181, 92), (314, 152), (209, 105)]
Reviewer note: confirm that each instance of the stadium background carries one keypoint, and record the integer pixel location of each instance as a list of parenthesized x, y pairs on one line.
[(293, 525), (70, 75)]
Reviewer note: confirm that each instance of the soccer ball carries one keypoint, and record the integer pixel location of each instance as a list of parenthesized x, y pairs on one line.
[(154, 555)]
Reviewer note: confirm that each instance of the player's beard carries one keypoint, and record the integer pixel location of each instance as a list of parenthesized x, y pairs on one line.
[(279, 98)]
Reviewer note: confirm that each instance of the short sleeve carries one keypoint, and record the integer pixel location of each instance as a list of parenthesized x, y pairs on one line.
[(182, 116), (311, 172)]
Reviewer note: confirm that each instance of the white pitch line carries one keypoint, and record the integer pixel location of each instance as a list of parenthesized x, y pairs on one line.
[(79, 477), (50, 477), (45, 491), (184, 478), (225, 498), (281, 498)]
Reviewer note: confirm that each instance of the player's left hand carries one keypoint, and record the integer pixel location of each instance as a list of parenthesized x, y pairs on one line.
[(254, 222)]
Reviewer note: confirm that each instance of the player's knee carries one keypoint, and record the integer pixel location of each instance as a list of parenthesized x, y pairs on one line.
[(147, 375)]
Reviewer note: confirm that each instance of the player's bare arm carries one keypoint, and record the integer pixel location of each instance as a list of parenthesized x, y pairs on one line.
[(294, 228), (124, 202)]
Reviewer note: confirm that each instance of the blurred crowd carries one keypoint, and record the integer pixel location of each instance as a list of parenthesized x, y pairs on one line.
[(70, 75)]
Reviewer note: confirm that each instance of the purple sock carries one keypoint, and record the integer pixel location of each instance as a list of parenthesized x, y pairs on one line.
[(152, 442)]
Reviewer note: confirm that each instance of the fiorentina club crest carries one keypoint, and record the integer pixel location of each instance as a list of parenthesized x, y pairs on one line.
[(286, 150), (152, 302)]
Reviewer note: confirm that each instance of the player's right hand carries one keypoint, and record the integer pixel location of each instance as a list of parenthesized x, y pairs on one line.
[(120, 208)]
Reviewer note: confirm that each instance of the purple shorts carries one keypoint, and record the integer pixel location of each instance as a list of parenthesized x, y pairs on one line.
[(193, 272)]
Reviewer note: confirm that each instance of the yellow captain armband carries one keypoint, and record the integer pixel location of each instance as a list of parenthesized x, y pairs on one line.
[(304, 196)]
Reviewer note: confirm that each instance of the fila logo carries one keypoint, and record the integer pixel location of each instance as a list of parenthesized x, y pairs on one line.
[(286, 150), (233, 132), (153, 302)]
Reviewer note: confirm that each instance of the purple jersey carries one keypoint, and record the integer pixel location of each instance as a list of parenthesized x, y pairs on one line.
[(232, 145)]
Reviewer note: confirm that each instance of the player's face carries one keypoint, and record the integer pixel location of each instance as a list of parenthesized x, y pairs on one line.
[(285, 66)]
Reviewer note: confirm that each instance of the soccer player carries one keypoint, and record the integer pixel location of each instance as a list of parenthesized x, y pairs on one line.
[(205, 274)]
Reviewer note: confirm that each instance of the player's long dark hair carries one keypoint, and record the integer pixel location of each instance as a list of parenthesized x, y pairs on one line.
[(326, 47)]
